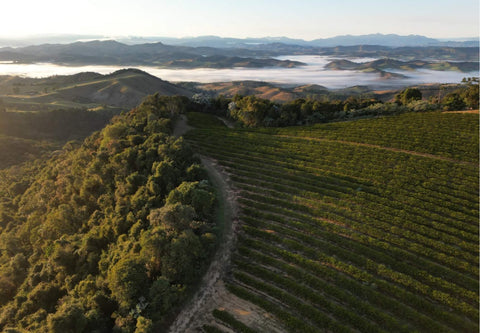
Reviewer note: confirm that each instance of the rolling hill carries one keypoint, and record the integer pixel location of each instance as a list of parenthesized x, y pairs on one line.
[(260, 89), (390, 40), (122, 89), (111, 52), (388, 63)]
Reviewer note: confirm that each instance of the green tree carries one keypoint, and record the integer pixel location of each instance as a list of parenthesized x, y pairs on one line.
[(61, 221), (453, 101), (153, 242), (127, 280), (175, 217), (196, 194), (162, 296), (144, 325), (7, 289), (44, 296), (250, 110), (471, 94), (184, 258), (69, 318), (408, 95)]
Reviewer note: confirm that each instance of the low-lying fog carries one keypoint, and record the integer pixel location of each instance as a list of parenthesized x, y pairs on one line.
[(313, 73)]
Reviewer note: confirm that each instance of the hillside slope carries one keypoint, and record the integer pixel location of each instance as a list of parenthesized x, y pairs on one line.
[(367, 225), (124, 88), (109, 235)]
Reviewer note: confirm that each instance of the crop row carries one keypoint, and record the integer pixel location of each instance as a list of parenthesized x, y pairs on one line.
[(457, 207), (328, 288), (393, 216), (230, 321), (393, 298), (405, 132), (421, 268), (372, 228), (347, 237), (361, 268), (364, 193), (368, 258), (314, 165)]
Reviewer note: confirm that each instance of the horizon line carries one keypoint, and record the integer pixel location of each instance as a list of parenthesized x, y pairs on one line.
[(120, 36)]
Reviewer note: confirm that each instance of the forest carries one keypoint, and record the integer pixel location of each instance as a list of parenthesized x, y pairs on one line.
[(109, 234), (251, 111)]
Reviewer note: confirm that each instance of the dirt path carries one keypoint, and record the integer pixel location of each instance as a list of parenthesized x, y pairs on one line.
[(200, 307), (181, 127), (212, 293), (463, 111), (227, 123), (211, 288)]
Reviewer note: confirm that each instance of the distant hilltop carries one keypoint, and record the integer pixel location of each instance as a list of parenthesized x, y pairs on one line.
[(392, 40)]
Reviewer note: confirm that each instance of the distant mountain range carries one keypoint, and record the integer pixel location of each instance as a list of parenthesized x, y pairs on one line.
[(391, 40), (111, 52), (158, 54)]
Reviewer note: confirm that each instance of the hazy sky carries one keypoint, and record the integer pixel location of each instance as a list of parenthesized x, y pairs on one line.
[(307, 19)]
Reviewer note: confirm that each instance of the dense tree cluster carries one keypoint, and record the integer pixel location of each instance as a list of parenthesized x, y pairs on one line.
[(108, 235), (408, 95), (464, 97), (252, 111)]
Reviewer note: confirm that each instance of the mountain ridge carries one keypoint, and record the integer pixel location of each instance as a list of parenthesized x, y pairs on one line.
[(149, 54), (158, 54), (394, 40)]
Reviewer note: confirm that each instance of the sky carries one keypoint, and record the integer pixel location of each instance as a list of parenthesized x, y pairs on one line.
[(305, 19)]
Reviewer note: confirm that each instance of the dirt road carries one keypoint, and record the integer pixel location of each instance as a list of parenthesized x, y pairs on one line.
[(212, 293), (203, 302)]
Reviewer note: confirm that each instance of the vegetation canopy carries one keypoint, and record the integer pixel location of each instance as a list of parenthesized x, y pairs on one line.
[(107, 235)]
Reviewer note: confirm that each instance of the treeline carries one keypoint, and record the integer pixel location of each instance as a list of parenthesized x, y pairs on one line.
[(110, 234), (251, 111)]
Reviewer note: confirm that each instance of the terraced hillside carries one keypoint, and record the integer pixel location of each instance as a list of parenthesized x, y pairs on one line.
[(367, 226)]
